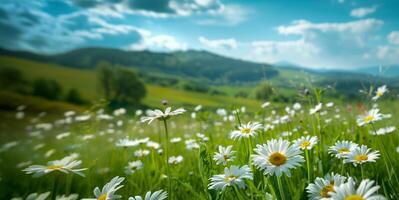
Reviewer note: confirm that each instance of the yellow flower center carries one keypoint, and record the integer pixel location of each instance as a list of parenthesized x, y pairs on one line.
[(304, 144), (379, 94), (246, 130), (343, 150), (277, 158), (225, 156), (230, 178), (103, 196), (368, 118), (361, 157), (354, 197), (54, 167), (324, 192)]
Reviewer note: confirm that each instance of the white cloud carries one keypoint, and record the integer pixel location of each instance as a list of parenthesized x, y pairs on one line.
[(300, 27), (393, 37), (158, 43), (227, 15), (335, 44), (362, 12), (230, 43), (274, 51)]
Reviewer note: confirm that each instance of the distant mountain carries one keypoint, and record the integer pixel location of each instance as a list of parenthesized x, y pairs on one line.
[(384, 71), (196, 64)]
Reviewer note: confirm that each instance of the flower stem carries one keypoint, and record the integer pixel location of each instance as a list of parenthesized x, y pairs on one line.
[(361, 169), (167, 157), (308, 164), (280, 187)]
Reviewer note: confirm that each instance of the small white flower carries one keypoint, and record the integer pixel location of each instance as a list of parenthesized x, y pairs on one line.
[(380, 91), (158, 195), (305, 142), (277, 157), (174, 160), (191, 144), (224, 155), (246, 130), (141, 153), (348, 191), (360, 155), (70, 197), (371, 116), (383, 131), (297, 106), (158, 114), (321, 187), (109, 189), (133, 167), (233, 176), (65, 165), (266, 104), (126, 142), (316, 109), (341, 149), (175, 140), (153, 145)]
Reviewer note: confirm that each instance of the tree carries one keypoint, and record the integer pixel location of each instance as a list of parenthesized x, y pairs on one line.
[(46, 88), (264, 91), (105, 78), (73, 96), (12, 79), (128, 87)]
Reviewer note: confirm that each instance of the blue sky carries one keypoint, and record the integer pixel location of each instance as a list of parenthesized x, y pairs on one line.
[(312, 33)]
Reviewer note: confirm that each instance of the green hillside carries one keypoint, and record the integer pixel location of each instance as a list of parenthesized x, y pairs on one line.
[(85, 81)]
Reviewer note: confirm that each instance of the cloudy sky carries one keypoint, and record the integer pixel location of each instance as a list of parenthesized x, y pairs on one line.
[(311, 33)]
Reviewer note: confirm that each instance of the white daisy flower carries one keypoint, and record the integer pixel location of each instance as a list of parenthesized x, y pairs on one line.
[(342, 148), (316, 109), (153, 145), (65, 197), (322, 186), (246, 130), (305, 142), (383, 131), (348, 191), (175, 140), (266, 104), (109, 189), (133, 167), (233, 176), (297, 106), (277, 157), (126, 142), (360, 155), (158, 195), (174, 160), (65, 165), (141, 153), (191, 144), (224, 155), (380, 91), (371, 116), (37, 196), (158, 114)]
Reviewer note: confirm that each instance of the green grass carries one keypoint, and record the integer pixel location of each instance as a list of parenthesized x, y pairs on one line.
[(86, 82), (190, 178)]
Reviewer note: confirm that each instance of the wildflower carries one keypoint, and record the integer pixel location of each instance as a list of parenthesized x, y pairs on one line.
[(246, 130), (380, 91), (174, 160), (191, 144), (109, 189), (158, 195), (158, 114), (371, 116), (277, 157), (133, 167), (341, 149), (175, 140), (360, 155), (266, 104), (316, 109), (224, 155), (65, 165), (297, 106), (36, 196), (383, 131), (126, 142), (233, 176), (153, 145), (62, 135), (141, 153), (348, 191), (321, 187), (70, 197), (305, 142)]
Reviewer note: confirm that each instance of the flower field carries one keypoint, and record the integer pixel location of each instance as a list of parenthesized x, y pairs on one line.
[(313, 149)]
